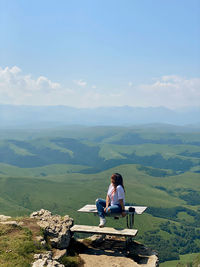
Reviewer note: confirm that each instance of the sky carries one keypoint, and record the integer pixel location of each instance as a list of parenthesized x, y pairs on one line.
[(90, 53)]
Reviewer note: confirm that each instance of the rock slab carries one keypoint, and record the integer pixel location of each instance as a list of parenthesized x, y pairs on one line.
[(45, 259), (55, 226)]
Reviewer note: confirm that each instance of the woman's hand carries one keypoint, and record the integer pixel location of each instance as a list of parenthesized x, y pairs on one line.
[(106, 210), (123, 213), (123, 208)]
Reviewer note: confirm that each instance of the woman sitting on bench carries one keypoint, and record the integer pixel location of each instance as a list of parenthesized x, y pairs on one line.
[(115, 200)]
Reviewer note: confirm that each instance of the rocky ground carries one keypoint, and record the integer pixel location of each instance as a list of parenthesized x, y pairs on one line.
[(49, 242), (113, 251)]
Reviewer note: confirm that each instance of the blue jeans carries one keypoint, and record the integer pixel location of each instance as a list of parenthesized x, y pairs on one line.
[(101, 204)]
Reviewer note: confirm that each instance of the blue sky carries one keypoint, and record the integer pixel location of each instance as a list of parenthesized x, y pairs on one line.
[(100, 53)]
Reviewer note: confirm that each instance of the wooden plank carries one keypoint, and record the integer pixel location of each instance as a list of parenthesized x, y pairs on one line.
[(104, 230), (93, 209)]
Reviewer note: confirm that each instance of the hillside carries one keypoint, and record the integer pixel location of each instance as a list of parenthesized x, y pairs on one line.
[(160, 170), (106, 148)]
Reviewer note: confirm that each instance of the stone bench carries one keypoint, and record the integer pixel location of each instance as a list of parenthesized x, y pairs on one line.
[(104, 230), (92, 209), (128, 233), (130, 212)]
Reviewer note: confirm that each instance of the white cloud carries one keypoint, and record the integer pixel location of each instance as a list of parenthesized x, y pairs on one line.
[(80, 83), (17, 88), (170, 91), (12, 78), (43, 82)]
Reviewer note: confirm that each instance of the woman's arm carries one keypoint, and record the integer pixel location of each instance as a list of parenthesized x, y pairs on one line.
[(107, 203), (121, 202)]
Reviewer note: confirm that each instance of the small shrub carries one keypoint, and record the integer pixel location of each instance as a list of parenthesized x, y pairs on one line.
[(72, 261)]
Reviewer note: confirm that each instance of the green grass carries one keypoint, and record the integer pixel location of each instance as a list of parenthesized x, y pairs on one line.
[(17, 246), (46, 143), (148, 149), (19, 150), (184, 259), (71, 261), (37, 193), (111, 151), (53, 169), (185, 216)]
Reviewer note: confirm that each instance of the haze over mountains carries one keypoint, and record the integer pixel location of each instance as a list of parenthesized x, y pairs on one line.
[(43, 116)]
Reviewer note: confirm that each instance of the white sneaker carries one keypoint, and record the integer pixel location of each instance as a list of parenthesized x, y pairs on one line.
[(102, 222)]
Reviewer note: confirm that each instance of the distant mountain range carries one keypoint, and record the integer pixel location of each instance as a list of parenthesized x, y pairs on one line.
[(51, 116)]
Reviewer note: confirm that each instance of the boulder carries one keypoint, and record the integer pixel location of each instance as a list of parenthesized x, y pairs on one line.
[(59, 253), (55, 226), (13, 223), (45, 259), (4, 218)]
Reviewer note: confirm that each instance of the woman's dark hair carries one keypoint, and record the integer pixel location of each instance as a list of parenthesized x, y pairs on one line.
[(118, 180)]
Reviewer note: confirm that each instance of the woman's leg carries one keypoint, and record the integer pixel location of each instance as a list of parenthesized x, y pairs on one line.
[(101, 204), (114, 209)]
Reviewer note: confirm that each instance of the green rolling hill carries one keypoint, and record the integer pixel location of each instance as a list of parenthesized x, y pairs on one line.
[(168, 215), (161, 170)]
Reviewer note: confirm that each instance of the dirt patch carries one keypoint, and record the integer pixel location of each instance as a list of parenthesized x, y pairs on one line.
[(32, 225), (9, 230), (104, 260), (115, 252)]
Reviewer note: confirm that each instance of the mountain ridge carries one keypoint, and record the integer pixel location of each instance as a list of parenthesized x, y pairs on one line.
[(19, 116)]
